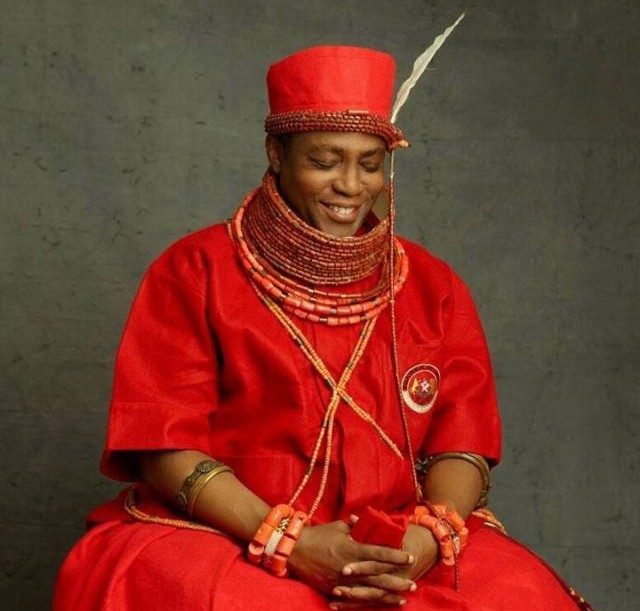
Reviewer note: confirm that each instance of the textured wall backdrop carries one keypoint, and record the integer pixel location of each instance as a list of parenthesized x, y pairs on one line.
[(127, 124)]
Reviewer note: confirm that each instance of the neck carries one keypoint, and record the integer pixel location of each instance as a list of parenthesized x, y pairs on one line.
[(297, 250)]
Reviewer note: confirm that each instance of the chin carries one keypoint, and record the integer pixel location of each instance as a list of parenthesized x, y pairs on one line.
[(339, 231)]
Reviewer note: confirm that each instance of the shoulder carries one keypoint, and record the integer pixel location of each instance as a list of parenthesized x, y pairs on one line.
[(433, 280), (425, 266), (191, 258)]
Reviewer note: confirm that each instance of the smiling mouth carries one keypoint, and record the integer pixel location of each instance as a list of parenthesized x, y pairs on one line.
[(344, 211)]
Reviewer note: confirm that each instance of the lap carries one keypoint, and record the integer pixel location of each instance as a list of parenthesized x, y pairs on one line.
[(143, 567)]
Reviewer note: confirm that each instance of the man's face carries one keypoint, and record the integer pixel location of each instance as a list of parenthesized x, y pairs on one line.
[(331, 180)]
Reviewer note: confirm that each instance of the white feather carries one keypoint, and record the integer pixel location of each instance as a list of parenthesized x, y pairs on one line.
[(419, 66)]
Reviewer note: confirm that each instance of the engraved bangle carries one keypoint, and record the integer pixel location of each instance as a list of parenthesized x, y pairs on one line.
[(203, 467), (476, 460), (194, 493)]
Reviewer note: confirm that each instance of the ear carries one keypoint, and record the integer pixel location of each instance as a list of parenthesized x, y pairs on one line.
[(275, 153)]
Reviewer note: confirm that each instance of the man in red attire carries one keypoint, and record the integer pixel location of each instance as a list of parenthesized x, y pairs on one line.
[(295, 364)]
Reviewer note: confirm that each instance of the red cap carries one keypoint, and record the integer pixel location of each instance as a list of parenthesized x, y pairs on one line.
[(333, 88), (334, 79)]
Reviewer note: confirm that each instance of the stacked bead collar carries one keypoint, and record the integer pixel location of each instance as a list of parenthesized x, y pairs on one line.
[(288, 259), (304, 253)]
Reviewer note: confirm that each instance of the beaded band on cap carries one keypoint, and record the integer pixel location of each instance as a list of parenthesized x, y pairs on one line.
[(349, 121)]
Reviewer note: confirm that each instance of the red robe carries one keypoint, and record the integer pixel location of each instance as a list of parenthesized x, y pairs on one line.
[(204, 365)]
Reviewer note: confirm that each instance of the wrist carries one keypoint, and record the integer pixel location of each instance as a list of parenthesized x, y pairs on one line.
[(299, 551), (449, 530), (423, 546), (276, 539)]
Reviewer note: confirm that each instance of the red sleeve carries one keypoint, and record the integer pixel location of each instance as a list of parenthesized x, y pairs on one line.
[(466, 417), (165, 385)]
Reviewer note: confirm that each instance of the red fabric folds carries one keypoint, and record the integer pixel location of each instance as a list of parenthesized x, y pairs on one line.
[(378, 528), (204, 365)]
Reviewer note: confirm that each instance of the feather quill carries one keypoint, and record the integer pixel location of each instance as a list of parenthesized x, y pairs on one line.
[(419, 66)]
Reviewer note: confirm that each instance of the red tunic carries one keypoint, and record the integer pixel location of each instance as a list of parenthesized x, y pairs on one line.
[(204, 365)]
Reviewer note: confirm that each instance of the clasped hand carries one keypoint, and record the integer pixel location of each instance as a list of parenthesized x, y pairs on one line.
[(358, 574)]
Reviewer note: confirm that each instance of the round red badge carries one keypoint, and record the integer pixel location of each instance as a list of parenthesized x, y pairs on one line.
[(420, 386)]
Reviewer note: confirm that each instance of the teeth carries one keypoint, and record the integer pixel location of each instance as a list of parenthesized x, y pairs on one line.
[(341, 210)]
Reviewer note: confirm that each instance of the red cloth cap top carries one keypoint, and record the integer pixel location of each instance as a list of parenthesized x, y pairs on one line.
[(333, 79)]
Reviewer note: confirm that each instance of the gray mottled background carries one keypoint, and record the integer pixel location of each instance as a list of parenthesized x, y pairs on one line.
[(127, 124)]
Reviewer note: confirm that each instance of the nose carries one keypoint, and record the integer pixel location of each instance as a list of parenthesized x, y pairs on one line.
[(349, 181)]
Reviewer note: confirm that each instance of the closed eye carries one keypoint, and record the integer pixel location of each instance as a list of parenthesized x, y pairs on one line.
[(322, 164)]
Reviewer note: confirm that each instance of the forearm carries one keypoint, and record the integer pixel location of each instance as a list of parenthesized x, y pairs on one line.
[(454, 482), (224, 502)]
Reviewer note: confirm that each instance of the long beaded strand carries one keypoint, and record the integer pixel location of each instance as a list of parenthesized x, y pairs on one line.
[(307, 349), (338, 393), (394, 335), (279, 291)]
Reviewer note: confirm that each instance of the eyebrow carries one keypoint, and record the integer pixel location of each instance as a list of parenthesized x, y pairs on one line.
[(327, 148)]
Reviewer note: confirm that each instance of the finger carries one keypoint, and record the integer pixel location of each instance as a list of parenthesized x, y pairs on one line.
[(358, 592), (359, 596), (390, 583), (342, 526), (368, 567), (369, 593), (340, 604), (380, 553), (354, 604)]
